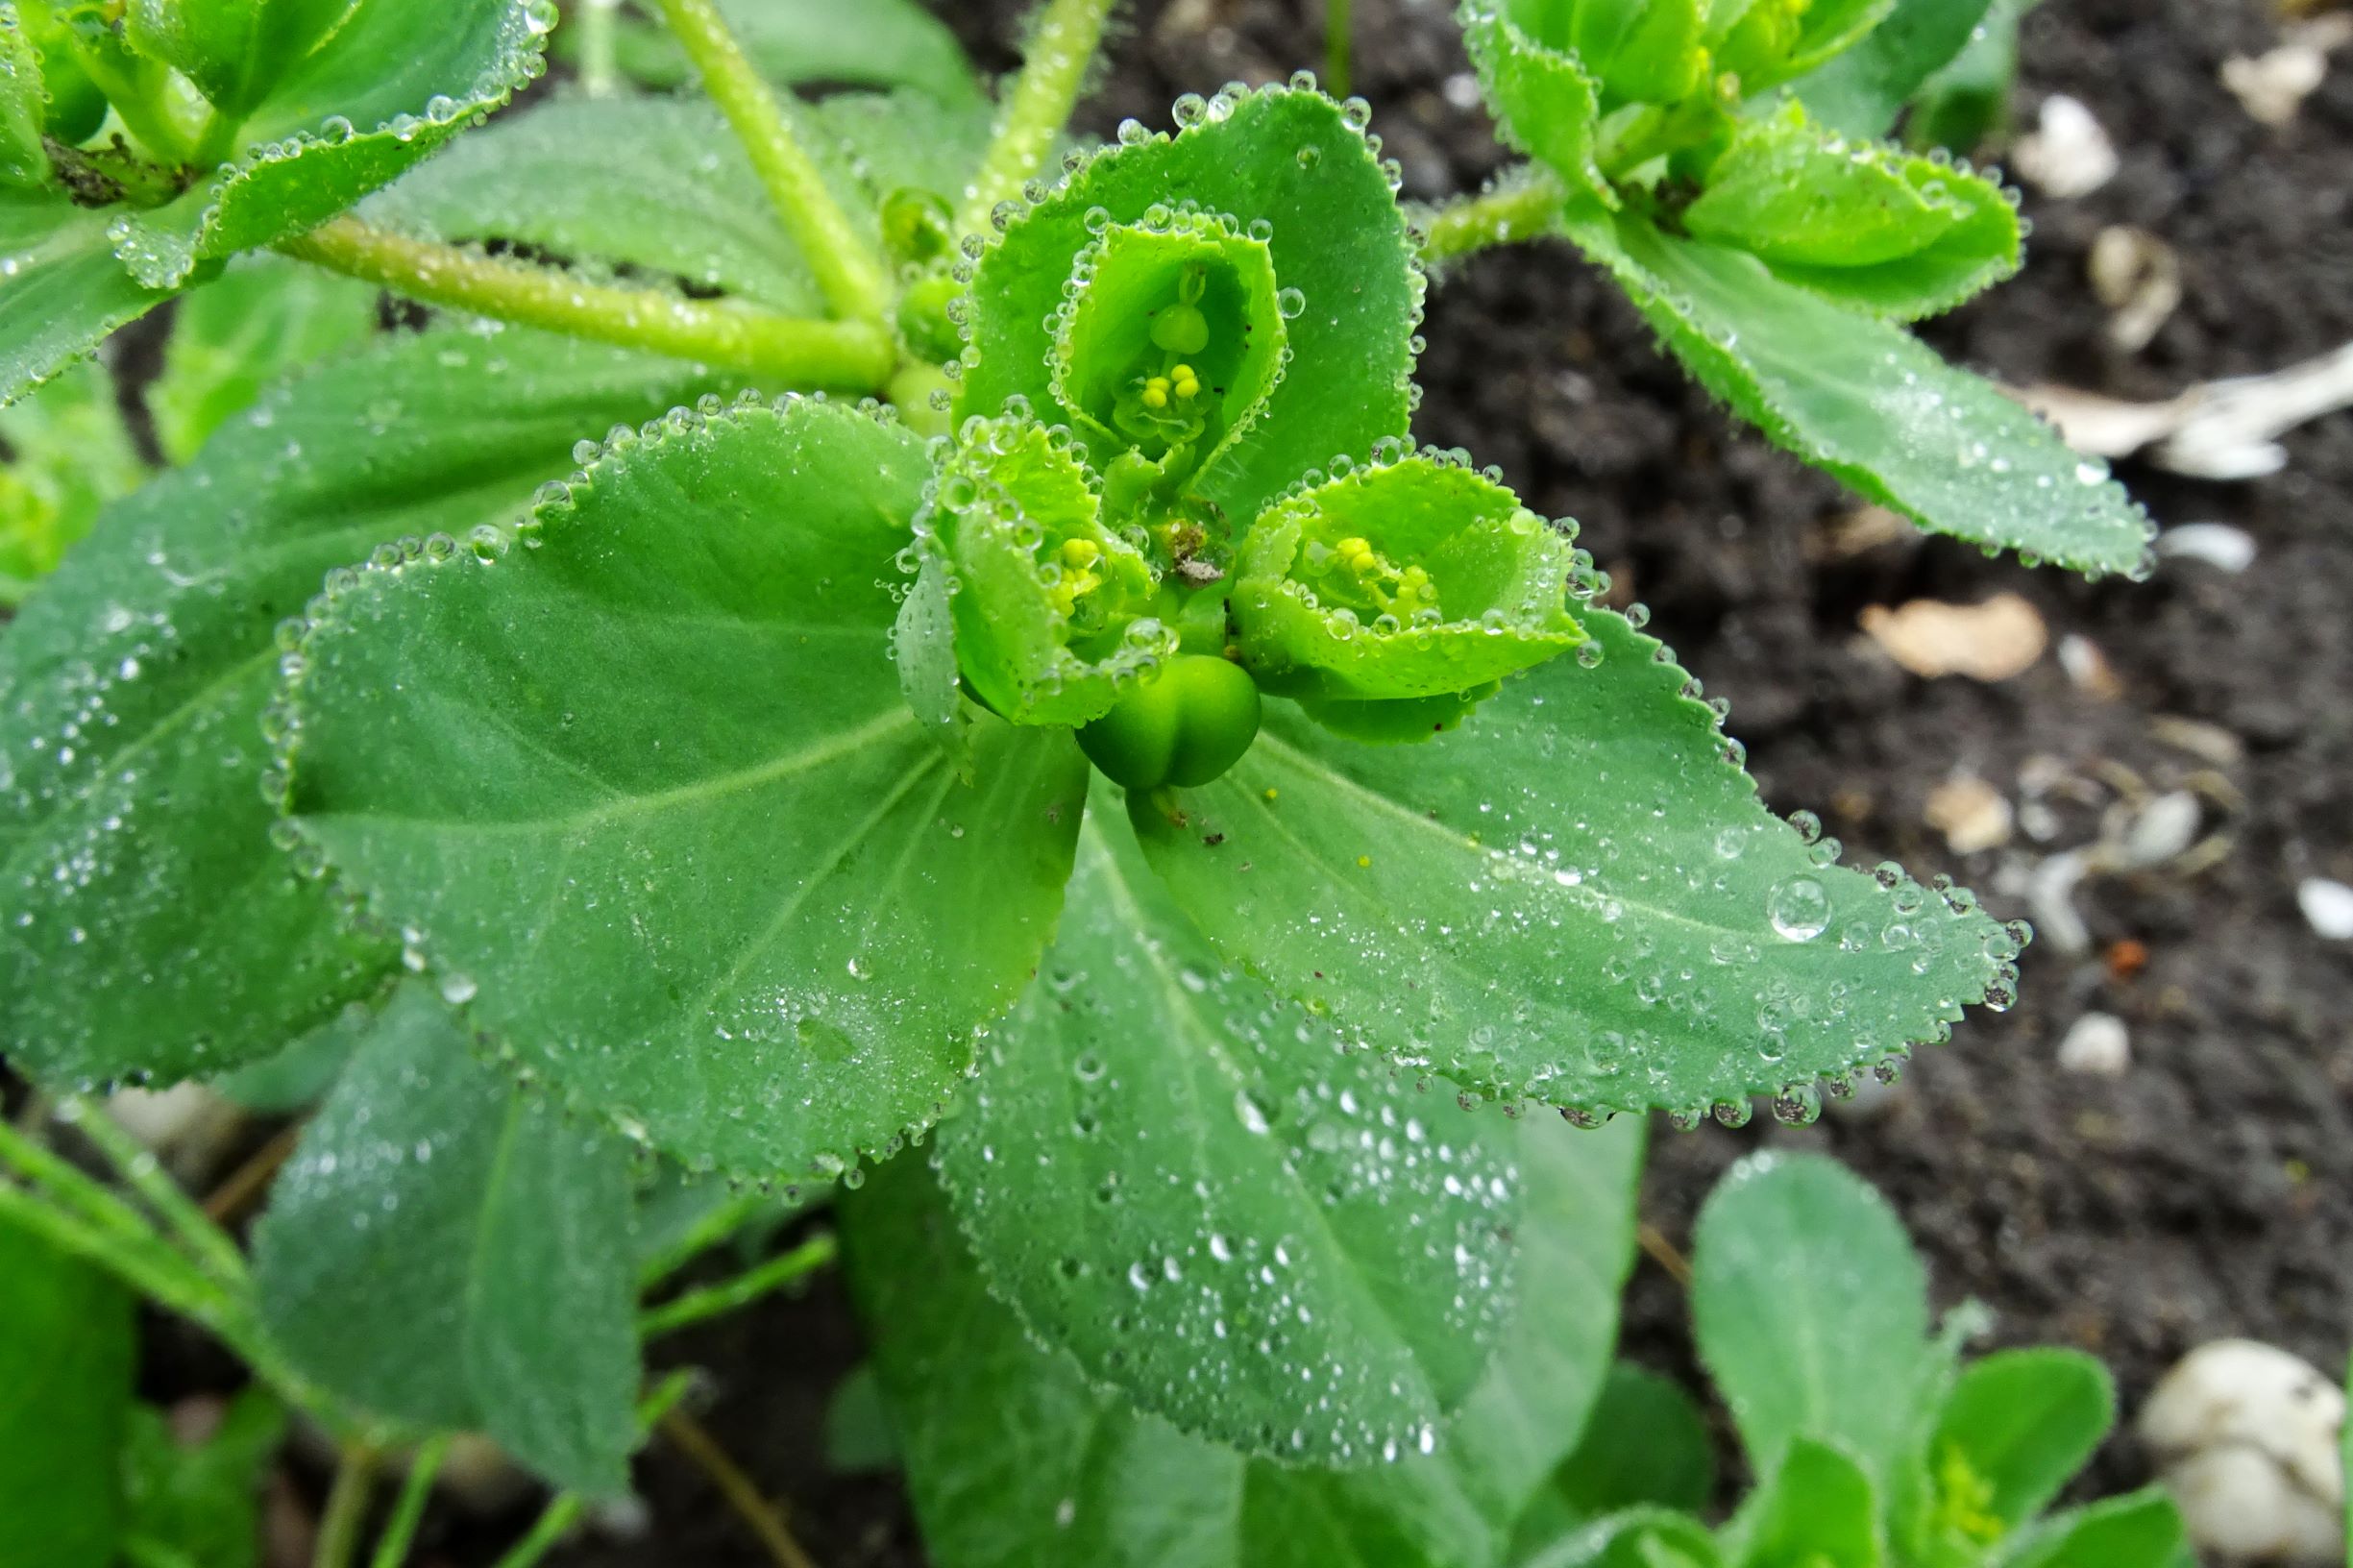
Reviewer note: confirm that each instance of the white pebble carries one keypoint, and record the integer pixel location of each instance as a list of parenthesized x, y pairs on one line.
[(2328, 905), (2219, 544), (2245, 1439), (2067, 154), (2099, 1047)]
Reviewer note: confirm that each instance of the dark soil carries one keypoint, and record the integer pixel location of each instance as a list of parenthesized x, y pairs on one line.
[(2207, 1192)]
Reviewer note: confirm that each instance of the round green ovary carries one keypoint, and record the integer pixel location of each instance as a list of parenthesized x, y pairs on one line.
[(1186, 725)]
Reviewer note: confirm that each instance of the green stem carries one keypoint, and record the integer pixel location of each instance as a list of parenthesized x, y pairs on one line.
[(217, 141), (1337, 39), (1522, 203), (66, 1185), (714, 1227), (180, 1213), (408, 1511), (715, 1300), (347, 1509), (1062, 45), (840, 356), (599, 52), (147, 1266), (563, 1511), (846, 267)]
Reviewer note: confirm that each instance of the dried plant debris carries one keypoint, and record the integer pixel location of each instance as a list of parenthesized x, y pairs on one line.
[(1997, 639), (2226, 430)]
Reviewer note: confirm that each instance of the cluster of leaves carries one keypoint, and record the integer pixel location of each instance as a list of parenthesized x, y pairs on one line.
[(1718, 158), (1872, 1443), (720, 790)]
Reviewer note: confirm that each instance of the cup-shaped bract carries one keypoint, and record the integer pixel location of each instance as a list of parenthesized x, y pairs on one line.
[(1171, 337), (1052, 607), (1410, 579)]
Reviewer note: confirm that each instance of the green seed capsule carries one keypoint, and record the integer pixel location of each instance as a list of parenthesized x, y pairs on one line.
[(1186, 725)]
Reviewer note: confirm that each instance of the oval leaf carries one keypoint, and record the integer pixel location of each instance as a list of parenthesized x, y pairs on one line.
[(448, 1250), (1869, 403), (1211, 1206), (1810, 1310), (2018, 1424), (1576, 898), (646, 789), (1292, 160), (148, 926), (1091, 1482)]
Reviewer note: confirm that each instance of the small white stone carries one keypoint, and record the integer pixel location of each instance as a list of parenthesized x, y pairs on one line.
[(2097, 1045), (2246, 1438), (2067, 154), (2219, 544), (2328, 905)]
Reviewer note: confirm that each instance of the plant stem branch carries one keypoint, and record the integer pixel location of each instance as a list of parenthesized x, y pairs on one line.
[(181, 1215), (408, 1510), (1062, 45), (347, 1509), (67, 1187), (1337, 36), (599, 59), (846, 267), (144, 1264), (1522, 203), (842, 355), (713, 1301), (690, 1437), (714, 1227), (563, 1511), (1664, 1253), (227, 1202)]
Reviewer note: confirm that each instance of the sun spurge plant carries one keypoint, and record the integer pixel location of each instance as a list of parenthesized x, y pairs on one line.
[(616, 756), (1719, 159)]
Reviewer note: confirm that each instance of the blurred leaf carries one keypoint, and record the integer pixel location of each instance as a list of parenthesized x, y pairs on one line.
[(300, 1074), (451, 1251), (69, 454), (1810, 1310), (2021, 1423), (1637, 1538), (67, 1361), (1646, 1445), (263, 317), (203, 1503), (1967, 105), (2139, 1530), (1860, 92), (24, 105), (236, 51), (65, 290), (875, 43), (1816, 1511)]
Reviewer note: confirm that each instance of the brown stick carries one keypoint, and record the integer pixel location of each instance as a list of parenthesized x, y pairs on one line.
[(249, 1181), (691, 1440), (1660, 1251)]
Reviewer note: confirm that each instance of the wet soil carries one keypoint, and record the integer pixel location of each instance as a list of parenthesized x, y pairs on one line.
[(2208, 1192)]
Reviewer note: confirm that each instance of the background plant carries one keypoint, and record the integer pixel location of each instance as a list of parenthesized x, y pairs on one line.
[(440, 814)]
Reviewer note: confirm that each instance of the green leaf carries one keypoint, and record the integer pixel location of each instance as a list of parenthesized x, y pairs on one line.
[(1646, 1445), (148, 926), (1861, 91), (451, 1251), (882, 44), (24, 105), (1967, 103), (1777, 39), (70, 454), (1817, 1512), (236, 51), (1405, 578), (1642, 51), (202, 1502), (67, 1357), (1810, 1309), (647, 784), (65, 291), (1015, 1462), (2139, 1530), (1869, 404), (597, 179), (1289, 164), (262, 318), (2021, 1423), (1637, 1538), (1864, 225), (1575, 897), (1548, 104), (1050, 603), (300, 1075), (388, 88), (1211, 1206)]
